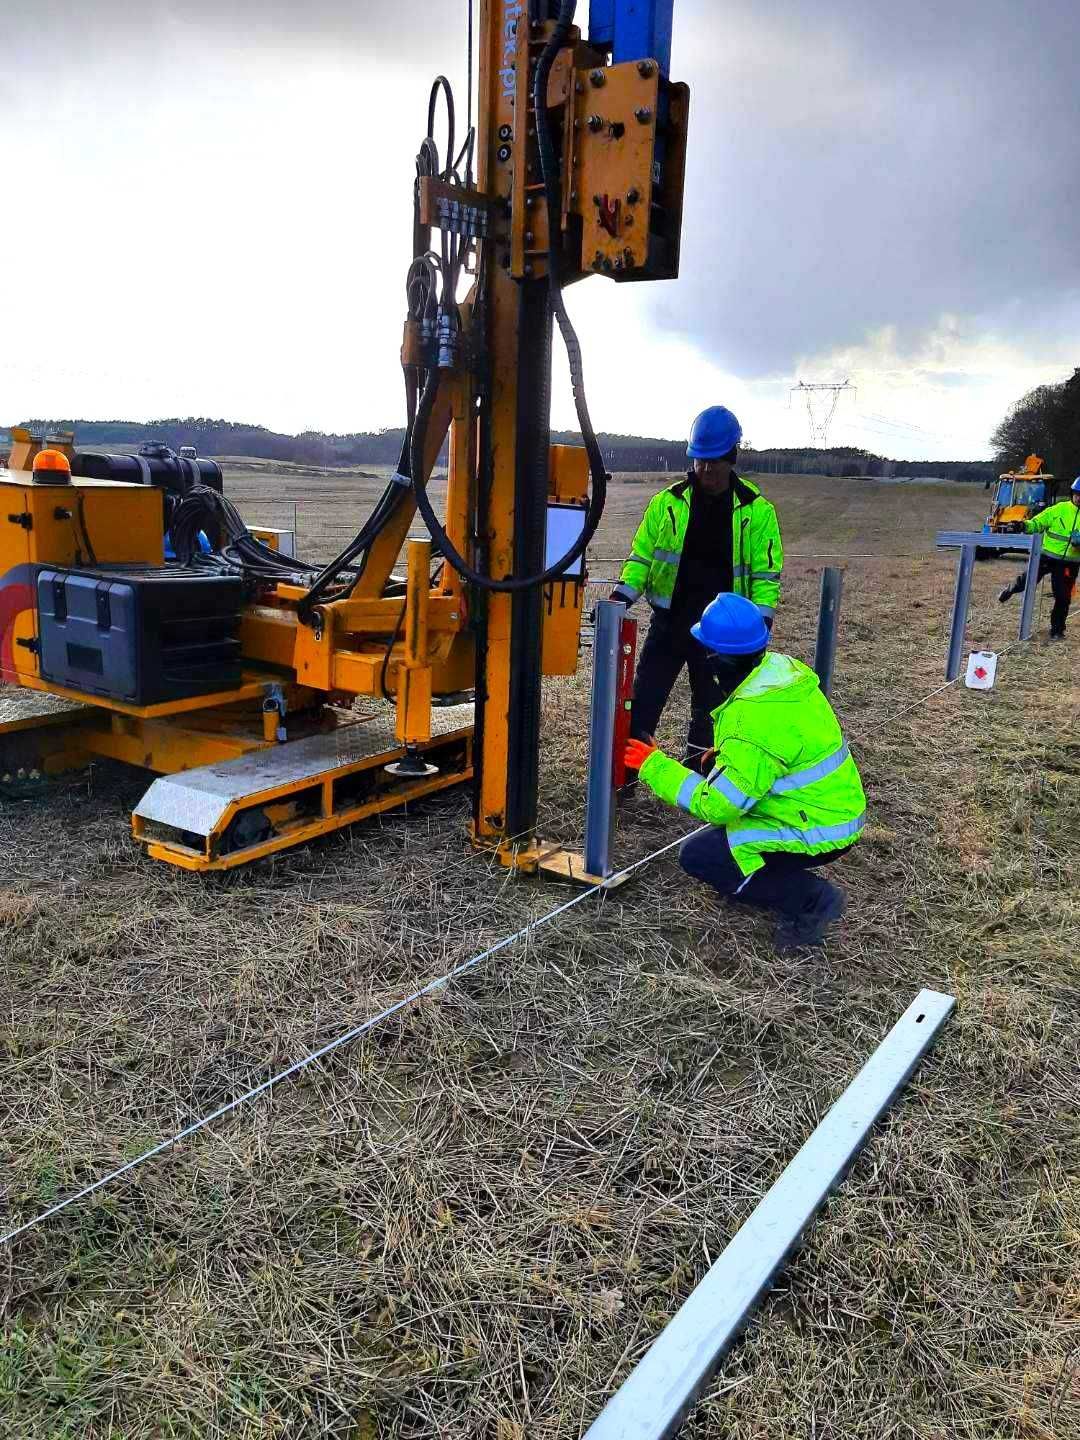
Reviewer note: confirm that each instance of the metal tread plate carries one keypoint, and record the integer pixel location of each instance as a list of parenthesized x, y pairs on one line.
[(22, 708), (197, 800)]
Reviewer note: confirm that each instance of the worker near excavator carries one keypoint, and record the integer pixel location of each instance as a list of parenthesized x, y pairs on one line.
[(1060, 528), (713, 531), (782, 795)]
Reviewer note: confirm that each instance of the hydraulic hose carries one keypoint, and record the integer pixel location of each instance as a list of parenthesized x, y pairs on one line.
[(549, 166)]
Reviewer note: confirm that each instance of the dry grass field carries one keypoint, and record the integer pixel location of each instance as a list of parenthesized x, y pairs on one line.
[(473, 1221)]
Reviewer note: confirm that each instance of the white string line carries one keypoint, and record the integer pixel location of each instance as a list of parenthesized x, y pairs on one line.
[(404, 1003), (349, 1035)]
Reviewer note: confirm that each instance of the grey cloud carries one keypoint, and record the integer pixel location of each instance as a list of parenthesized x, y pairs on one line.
[(852, 165), (892, 163)]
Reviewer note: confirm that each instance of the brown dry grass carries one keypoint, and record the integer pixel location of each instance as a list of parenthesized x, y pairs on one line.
[(471, 1223)]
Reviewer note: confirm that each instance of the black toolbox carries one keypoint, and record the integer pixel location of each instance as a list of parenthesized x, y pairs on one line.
[(144, 634)]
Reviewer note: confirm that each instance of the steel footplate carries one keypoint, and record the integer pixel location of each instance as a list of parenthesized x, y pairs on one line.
[(219, 816)]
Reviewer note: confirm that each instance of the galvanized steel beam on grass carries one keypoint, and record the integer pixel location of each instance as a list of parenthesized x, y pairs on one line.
[(656, 1398)]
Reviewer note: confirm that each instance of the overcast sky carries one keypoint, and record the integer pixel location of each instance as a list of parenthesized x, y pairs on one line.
[(209, 205)]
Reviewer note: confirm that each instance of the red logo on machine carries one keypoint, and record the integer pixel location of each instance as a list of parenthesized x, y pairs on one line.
[(16, 595)]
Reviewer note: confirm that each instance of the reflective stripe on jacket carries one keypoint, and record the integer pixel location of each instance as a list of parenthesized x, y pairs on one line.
[(757, 553), (1060, 526), (783, 777)]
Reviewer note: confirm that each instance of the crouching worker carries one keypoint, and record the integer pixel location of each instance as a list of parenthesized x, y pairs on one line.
[(783, 795)]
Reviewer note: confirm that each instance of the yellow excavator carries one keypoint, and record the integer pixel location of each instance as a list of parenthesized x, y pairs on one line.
[(1018, 495)]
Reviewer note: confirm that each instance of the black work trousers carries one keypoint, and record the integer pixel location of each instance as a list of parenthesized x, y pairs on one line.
[(668, 647), (1062, 582), (785, 883)]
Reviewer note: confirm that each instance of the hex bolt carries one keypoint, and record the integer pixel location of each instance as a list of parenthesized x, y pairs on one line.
[(597, 78), (633, 195), (620, 263), (643, 113), (579, 88), (595, 122), (503, 152), (506, 132), (645, 68)]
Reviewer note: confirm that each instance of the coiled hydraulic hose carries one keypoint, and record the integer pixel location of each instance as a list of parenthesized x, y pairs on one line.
[(549, 166)]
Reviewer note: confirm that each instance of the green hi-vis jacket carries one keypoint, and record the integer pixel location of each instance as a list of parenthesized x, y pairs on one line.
[(1060, 526), (783, 779), (757, 553)]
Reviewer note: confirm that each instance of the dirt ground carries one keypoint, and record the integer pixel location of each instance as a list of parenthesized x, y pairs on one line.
[(472, 1222)]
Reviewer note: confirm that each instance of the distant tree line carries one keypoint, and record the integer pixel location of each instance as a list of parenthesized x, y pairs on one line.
[(1046, 422), (383, 447)]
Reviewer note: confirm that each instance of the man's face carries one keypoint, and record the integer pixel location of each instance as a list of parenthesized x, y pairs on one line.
[(714, 476), (1075, 496)]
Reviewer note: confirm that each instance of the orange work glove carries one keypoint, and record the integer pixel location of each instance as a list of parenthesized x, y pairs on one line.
[(637, 752)]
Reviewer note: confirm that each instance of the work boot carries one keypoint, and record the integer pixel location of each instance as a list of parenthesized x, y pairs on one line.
[(1014, 587), (808, 928), (1057, 634)]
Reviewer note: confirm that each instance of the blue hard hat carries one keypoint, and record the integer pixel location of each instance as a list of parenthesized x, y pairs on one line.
[(713, 434), (1076, 486), (731, 625)]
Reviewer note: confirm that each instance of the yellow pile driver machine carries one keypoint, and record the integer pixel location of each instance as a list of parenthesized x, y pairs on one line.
[(255, 685)]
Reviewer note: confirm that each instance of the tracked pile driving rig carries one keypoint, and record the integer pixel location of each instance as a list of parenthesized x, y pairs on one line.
[(255, 684)]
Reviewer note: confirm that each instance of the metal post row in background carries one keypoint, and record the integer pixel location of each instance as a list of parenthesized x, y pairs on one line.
[(832, 589), (968, 542)]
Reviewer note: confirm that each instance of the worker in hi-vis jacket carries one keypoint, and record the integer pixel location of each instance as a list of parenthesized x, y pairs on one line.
[(1059, 526), (781, 795), (711, 532)]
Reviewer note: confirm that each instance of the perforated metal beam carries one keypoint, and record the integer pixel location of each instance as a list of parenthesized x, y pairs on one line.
[(657, 1397)]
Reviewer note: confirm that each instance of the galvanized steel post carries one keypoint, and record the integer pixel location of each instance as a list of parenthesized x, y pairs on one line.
[(659, 1393), (600, 791), (1031, 581), (832, 587), (961, 601)]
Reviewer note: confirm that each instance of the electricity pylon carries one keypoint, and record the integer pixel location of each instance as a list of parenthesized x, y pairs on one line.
[(821, 418)]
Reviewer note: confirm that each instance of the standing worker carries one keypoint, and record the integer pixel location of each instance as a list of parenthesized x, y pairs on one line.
[(1060, 526), (711, 532), (783, 795)]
